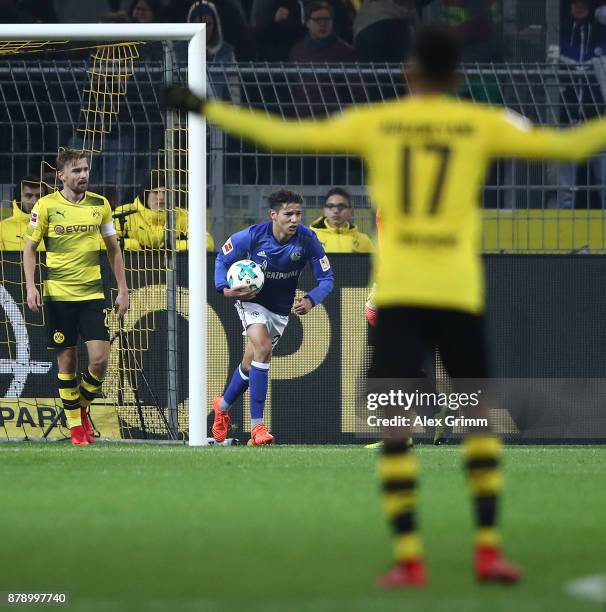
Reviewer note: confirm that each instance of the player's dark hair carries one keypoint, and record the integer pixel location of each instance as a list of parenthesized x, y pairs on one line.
[(438, 53), (68, 156), (154, 182), (277, 199), (340, 192), (317, 5), (29, 181)]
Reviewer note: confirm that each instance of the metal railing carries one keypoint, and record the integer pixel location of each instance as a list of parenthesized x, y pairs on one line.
[(528, 206)]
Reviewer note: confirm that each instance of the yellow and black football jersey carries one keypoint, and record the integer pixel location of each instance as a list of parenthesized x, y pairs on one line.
[(71, 233), (427, 158)]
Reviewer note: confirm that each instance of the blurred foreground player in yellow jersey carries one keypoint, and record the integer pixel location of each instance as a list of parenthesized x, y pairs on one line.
[(69, 222), (427, 156)]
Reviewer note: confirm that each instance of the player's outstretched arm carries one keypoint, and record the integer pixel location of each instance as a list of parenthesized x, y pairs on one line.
[(514, 136), (343, 133)]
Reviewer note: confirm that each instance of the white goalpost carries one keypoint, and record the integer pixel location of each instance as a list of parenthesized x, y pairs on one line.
[(196, 192)]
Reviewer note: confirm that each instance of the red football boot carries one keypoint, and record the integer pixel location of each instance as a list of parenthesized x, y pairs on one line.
[(260, 436), (88, 427), (491, 565), (78, 436), (222, 420), (404, 574)]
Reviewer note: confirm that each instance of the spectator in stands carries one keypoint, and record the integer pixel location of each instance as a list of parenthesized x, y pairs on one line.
[(117, 17), (600, 12), (72, 11), (384, 30), (34, 11), (146, 11), (234, 27), (344, 13), (277, 26), (217, 50), (146, 227), (321, 44), (478, 24), (334, 229), (13, 229), (582, 39), (324, 91)]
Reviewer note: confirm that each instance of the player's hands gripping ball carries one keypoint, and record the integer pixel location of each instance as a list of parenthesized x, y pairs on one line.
[(240, 294), (182, 98), (302, 306)]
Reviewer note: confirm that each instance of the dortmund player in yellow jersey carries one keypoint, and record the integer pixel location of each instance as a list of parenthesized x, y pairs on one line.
[(427, 157), (70, 222)]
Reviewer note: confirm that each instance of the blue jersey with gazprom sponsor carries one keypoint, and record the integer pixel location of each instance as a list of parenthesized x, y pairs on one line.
[(282, 263)]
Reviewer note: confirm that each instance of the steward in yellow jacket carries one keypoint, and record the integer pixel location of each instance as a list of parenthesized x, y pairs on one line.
[(13, 229), (334, 229), (146, 228)]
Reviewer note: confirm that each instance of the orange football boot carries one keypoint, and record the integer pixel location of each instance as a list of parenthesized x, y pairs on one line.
[(259, 436), (222, 420)]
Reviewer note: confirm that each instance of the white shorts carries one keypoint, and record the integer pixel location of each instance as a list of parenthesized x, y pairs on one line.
[(251, 313)]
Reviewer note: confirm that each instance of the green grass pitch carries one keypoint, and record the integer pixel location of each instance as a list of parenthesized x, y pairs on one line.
[(142, 527)]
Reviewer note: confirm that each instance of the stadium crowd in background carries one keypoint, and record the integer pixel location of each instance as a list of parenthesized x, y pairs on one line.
[(279, 30), (285, 30), (582, 40), (342, 31)]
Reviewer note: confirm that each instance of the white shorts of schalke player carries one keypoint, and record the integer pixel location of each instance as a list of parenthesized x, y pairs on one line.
[(251, 313)]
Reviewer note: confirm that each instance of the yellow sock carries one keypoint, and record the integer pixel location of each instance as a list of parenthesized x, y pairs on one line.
[(90, 386), (70, 396), (482, 462), (398, 471)]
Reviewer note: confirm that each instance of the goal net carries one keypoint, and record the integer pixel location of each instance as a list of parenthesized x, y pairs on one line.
[(102, 98)]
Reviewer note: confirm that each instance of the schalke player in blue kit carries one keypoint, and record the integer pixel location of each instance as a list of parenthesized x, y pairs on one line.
[(282, 247)]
